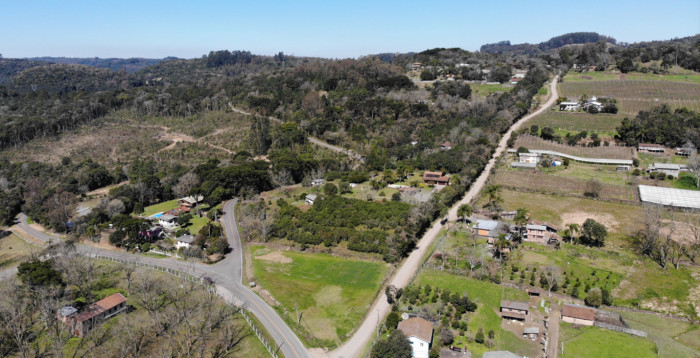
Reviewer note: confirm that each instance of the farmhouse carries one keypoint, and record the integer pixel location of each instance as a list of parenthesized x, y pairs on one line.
[(577, 314), (523, 165), (684, 152), (168, 221), (667, 168), (310, 198), (435, 178), (540, 234), (420, 333), (514, 309), (650, 148), (489, 228), (98, 312), (184, 241), (416, 66), (446, 146), (569, 106), (593, 103), (532, 158), (317, 182), (190, 201)]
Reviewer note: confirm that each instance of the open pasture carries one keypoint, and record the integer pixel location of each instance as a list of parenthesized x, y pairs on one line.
[(532, 142), (578, 121)]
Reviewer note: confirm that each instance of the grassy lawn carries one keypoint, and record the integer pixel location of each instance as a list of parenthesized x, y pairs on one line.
[(486, 89), (603, 124), (13, 250), (332, 301), (197, 223), (488, 297), (602, 343), (161, 207), (603, 173), (685, 181), (664, 331)]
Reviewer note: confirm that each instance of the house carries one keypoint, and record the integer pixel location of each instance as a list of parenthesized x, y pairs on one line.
[(684, 152), (168, 221), (508, 215), (446, 146), (153, 233), (514, 309), (98, 312), (569, 106), (541, 233), (548, 226), (489, 228), (531, 332), (500, 354), (577, 314), (317, 182), (667, 168), (651, 148), (532, 158), (435, 178), (416, 66), (185, 241), (593, 102), (190, 201), (420, 333), (523, 165), (515, 80), (533, 291), (310, 198)]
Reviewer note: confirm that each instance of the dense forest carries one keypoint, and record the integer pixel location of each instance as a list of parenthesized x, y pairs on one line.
[(660, 125)]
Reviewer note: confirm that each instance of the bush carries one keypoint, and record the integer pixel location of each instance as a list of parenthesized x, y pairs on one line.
[(479, 338)]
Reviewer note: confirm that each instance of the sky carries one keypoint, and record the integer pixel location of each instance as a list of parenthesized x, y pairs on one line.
[(332, 28)]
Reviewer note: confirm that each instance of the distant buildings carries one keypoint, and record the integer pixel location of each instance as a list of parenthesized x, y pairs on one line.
[(569, 106), (650, 148)]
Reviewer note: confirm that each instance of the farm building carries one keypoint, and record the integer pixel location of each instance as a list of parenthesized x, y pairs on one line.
[(489, 228), (668, 196), (531, 332), (651, 148), (190, 201), (416, 66), (577, 314), (420, 333), (533, 158), (435, 178), (98, 312), (684, 152), (184, 241), (514, 309), (500, 354), (317, 182), (667, 168), (310, 198), (582, 159), (533, 291), (523, 165), (569, 106)]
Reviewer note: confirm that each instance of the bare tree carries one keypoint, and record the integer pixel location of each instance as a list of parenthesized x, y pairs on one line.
[(282, 177), (185, 184), (114, 208), (553, 274), (692, 247)]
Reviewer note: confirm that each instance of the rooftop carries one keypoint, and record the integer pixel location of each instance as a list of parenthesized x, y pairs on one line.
[(668, 196), (536, 227), (668, 166), (517, 305), (578, 311), (650, 145), (111, 301), (311, 196), (486, 225), (532, 330), (167, 217), (417, 327), (187, 238), (500, 354)]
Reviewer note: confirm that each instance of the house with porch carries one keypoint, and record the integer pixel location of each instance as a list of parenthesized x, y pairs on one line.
[(98, 312), (517, 310)]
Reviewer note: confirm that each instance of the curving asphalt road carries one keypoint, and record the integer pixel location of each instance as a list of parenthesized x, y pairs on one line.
[(357, 343), (226, 275)]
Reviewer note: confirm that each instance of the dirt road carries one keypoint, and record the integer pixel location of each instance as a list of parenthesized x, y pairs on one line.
[(357, 343)]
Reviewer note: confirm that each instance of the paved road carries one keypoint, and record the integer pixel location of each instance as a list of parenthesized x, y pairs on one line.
[(356, 344), (313, 140), (225, 274)]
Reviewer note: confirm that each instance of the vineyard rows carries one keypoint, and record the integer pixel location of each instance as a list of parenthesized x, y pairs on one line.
[(638, 95), (615, 152), (536, 181)]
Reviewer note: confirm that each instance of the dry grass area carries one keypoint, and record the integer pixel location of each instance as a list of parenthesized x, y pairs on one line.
[(612, 152), (579, 217)]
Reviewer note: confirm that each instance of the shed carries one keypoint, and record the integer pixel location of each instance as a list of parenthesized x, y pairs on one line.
[(531, 332), (514, 309), (310, 199), (577, 314)]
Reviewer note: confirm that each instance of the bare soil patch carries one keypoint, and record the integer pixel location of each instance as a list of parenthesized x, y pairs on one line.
[(275, 256), (682, 231), (579, 217)]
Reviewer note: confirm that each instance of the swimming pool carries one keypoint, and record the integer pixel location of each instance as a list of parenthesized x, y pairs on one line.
[(157, 215)]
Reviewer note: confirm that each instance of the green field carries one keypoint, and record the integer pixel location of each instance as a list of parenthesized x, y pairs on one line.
[(13, 250), (596, 342), (603, 173), (488, 297), (563, 122), (486, 89), (332, 294), (669, 335), (160, 207)]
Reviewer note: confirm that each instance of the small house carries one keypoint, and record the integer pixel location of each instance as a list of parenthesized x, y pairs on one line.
[(419, 333), (531, 332), (168, 221), (317, 182), (569, 106), (184, 241), (523, 165), (666, 168), (98, 312), (416, 66), (535, 233), (310, 199), (500, 354), (435, 178), (489, 228), (577, 314), (532, 158), (651, 148), (514, 309), (190, 201), (446, 146)]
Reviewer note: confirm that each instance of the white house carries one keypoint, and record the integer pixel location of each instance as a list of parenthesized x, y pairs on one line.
[(569, 106), (310, 198), (317, 182), (667, 168), (168, 221), (532, 158), (184, 241), (420, 333)]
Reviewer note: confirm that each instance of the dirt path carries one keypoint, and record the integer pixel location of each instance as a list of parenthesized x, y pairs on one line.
[(354, 346), (179, 137), (553, 331)]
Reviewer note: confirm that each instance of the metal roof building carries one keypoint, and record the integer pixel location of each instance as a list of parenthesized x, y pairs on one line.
[(584, 160), (669, 196)]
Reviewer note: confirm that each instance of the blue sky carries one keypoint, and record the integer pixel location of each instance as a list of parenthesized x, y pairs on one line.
[(335, 29)]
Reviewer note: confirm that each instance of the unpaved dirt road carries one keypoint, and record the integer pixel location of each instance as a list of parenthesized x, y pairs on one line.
[(357, 343)]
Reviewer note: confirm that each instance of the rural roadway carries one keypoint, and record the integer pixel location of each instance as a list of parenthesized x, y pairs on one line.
[(227, 276), (355, 346)]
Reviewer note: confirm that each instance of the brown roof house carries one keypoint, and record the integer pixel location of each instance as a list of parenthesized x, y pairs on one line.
[(435, 178), (577, 314), (98, 312), (420, 333), (514, 309)]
